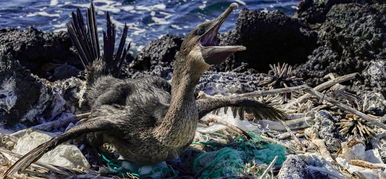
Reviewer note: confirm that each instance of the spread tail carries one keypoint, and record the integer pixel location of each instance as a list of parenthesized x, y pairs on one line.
[(85, 39), (38, 152)]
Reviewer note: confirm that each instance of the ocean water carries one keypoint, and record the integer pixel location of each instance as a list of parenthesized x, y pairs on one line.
[(147, 19)]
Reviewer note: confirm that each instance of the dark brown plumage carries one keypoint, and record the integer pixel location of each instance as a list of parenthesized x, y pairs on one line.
[(147, 120)]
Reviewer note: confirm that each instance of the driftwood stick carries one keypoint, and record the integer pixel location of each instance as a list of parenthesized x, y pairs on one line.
[(299, 123), (286, 135), (346, 108), (268, 168), (278, 142), (294, 124), (301, 145), (321, 87), (311, 133), (366, 164), (273, 91)]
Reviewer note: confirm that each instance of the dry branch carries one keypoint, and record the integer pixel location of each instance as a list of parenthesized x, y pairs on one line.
[(268, 168), (273, 91), (346, 108), (321, 87), (301, 145), (365, 164)]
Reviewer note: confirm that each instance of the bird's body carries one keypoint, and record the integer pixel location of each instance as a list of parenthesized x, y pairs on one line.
[(148, 120), (139, 105)]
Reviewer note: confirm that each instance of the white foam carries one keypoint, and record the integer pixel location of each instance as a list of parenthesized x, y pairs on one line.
[(149, 8), (203, 5), (59, 25), (167, 15), (176, 27), (60, 30), (43, 13), (127, 8), (81, 5), (137, 32), (117, 23), (54, 2), (109, 9), (159, 20)]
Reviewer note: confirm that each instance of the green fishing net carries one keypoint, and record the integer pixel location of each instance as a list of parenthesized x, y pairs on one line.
[(232, 160)]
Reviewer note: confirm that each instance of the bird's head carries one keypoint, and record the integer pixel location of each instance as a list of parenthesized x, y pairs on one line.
[(201, 47)]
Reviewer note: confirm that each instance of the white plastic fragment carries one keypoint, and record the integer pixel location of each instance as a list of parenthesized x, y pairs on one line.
[(357, 152), (67, 156), (8, 96)]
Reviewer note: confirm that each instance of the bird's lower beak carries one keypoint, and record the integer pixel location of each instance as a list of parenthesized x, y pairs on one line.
[(217, 54), (211, 52)]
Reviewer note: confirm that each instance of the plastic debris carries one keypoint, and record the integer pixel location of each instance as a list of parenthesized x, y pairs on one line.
[(366, 163), (67, 156), (307, 166), (231, 160)]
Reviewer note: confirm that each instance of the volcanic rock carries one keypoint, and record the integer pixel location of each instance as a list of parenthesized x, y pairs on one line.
[(270, 37), (307, 166), (24, 97), (350, 39), (41, 52), (158, 55), (314, 11), (225, 83)]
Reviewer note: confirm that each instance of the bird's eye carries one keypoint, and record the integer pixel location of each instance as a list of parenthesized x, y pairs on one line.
[(200, 31)]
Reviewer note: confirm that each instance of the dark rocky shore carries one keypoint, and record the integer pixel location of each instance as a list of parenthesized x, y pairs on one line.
[(323, 37), (40, 74)]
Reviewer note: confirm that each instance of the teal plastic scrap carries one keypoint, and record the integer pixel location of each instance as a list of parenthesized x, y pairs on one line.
[(231, 160), (224, 162)]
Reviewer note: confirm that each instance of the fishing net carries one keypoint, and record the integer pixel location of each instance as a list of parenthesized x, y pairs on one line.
[(233, 160), (230, 159)]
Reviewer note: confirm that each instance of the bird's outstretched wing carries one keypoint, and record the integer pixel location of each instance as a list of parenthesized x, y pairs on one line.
[(239, 105), (35, 154)]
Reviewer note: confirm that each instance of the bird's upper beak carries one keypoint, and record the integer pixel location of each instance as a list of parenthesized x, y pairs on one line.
[(211, 52)]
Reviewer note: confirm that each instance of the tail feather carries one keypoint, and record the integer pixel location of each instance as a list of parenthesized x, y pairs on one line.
[(108, 40), (85, 39), (93, 31), (38, 152)]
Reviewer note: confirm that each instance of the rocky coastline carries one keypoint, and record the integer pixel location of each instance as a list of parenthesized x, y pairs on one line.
[(41, 77)]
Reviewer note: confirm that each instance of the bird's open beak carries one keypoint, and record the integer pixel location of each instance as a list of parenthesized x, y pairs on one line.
[(211, 52)]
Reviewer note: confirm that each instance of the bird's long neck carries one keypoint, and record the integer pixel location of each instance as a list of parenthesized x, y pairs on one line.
[(180, 122)]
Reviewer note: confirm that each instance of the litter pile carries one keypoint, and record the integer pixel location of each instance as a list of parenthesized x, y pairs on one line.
[(333, 102), (329, 132)]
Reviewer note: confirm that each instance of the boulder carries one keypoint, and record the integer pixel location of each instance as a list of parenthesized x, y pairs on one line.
[(270, 37), (42, 52), (351, 38)]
